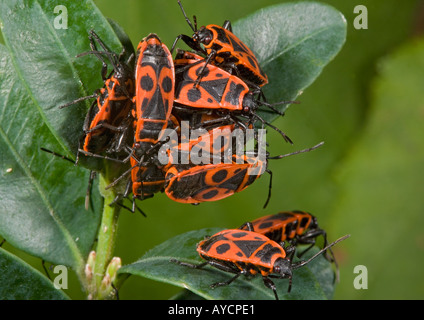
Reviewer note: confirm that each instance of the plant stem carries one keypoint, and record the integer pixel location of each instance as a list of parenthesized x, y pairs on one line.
[(105, 239)]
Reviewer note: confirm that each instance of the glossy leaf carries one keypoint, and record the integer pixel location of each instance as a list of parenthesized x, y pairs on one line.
[(313, 281), (293, 43), (42, 207), (44, 58), (19, 281)]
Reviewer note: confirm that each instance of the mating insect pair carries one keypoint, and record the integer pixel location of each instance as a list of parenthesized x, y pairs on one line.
[(259, 247)]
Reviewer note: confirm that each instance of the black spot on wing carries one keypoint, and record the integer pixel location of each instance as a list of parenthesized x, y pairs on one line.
[(267, 252), (281, 216), (223, 248), (146, 83), (233, 95), (239, 234), (167, 84), (215, 88), (210, 194), (207, 244), (222, 35), (265, 225), (203, 73), (193, 95), (252, 62), (219, 176), (155, 107), (238, 45), (248, 247), (234, 181)]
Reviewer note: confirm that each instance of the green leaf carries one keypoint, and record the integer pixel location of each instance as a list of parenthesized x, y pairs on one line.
[(44, 58), (186, 295), (313, 281), (42, 207), (19, 281), (293, 43), (381, 183)]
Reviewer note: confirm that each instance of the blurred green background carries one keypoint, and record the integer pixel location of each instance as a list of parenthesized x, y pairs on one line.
[(368, 178)]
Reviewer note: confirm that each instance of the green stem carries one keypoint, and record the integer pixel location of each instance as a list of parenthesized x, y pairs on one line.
[(105, 239)]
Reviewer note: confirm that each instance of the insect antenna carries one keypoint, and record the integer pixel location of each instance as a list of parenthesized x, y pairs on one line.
[(194, 28), (115, 182), (95, 95), (272, 105), (111, 55), (297, 152), (273, 127), (297, 265)]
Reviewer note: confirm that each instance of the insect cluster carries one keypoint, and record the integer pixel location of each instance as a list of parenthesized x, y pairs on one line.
[(189, 126)]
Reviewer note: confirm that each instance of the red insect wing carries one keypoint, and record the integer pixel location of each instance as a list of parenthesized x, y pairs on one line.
[(154, 96), (217, 90), (207, 182), (242, 247), (227, 44), (283, 225), (184, 58), (155, 78), (112, 109), (146, 180), (215, 142)]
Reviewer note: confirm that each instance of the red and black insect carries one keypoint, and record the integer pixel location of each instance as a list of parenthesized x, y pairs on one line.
[(146, 178), (296, 227), (210, 182), (249, 253), (154, 92), (108, 121), (218, 90), (154, 96), (204, 133), (194, 183), (218, 173), (222, 48)]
